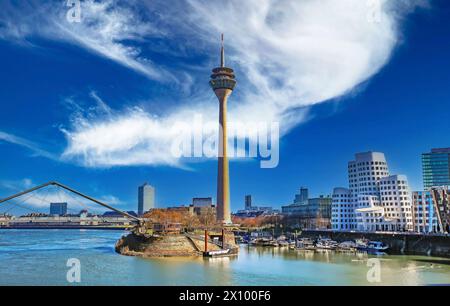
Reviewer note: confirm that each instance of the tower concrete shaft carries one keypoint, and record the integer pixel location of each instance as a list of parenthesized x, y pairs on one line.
[(223, 82), (223, 177)]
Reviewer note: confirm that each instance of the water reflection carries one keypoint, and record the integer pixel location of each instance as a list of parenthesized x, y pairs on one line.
[(40, 257), (220, 269)]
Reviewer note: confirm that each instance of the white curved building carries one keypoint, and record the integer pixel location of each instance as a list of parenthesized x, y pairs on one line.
[(375, 200)]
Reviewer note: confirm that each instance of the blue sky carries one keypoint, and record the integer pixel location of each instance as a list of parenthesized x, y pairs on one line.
[(89, 104)]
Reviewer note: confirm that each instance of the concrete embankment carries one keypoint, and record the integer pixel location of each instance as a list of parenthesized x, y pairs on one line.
[(162, 246), (398, 243)]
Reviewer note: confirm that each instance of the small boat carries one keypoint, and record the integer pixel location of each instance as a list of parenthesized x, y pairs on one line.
[(264, 242), (282, 237), (216, 253), (372, 246), (326, 244), (305, 244), (347, 246), (270, 243), (362, 241), (283, 243)]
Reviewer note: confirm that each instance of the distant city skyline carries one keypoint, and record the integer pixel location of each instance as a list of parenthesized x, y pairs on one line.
[(94, 112), (304, 194)]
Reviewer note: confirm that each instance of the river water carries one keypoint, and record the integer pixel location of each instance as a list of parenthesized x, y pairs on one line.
[(39, 257)]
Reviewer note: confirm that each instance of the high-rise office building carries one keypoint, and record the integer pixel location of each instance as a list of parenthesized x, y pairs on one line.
[(436, 168), (146, 198), (375, 200), (302, 197), (248, 202), (58, 209)]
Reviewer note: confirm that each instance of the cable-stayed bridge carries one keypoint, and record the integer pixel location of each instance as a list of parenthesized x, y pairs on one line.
[(38, 200)]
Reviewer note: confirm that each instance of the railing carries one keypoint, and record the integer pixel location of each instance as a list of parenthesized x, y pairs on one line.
[(211, 241)]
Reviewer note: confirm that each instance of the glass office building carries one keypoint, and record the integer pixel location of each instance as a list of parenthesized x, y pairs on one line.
[(58, 209), (436, 168), (146, 199)]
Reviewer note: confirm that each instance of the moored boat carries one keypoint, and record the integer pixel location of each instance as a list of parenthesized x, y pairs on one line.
[(347, 246), (305, 244), (326, 244), (271, 243), (372, 246), (265, 242), (217, 253), (283, 243)]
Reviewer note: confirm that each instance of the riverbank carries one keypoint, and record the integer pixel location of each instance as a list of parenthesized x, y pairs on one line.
[(410, 244)]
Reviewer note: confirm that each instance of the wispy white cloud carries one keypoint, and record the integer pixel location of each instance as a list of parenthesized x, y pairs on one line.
[(131, 138), (289, 55), (110, 28), (19, 185), (113, 29), (299, 53), (33, 147)]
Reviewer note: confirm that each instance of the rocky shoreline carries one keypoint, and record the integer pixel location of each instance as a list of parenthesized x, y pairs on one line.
[(180, 245)]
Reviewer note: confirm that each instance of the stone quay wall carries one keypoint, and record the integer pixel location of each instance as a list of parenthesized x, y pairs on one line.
[(399, 243)]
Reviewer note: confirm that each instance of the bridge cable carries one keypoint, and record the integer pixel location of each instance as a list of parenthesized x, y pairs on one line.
[(95, 212), (15, 205), (78, 201), (61, 200), (34, 197), (60, 191)]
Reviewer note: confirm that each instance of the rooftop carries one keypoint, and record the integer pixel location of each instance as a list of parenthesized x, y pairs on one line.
[(440, 150)]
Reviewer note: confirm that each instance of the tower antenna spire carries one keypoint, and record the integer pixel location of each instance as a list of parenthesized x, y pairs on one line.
[(222, 55)]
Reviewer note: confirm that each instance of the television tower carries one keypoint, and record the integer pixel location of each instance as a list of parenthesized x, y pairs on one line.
[(223, 82)]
